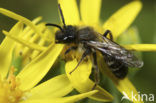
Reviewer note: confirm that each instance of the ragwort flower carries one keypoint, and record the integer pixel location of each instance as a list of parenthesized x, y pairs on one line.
[(19, 84), (79, 79), (117, 23)]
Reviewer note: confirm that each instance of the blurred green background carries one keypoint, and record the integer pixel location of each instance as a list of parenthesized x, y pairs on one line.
[(145, 79)]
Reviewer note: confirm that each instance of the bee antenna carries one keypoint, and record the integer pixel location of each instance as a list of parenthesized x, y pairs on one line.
[(55, 25), (61, 13)]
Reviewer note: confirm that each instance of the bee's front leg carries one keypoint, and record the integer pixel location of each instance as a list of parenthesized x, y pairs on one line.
[(86, 52), (96, 71), (69, 49)]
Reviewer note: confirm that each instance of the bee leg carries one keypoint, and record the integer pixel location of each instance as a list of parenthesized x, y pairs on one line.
[(69, 49), (110, 34), (87, 52), (96, 71)]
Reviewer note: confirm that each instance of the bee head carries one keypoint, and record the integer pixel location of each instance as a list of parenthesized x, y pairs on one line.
[(66, 35)]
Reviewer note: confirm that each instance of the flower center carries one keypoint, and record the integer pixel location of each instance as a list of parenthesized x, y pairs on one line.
[(9, 89)]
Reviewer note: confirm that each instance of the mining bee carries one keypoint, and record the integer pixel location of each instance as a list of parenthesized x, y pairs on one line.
[(116, 57)]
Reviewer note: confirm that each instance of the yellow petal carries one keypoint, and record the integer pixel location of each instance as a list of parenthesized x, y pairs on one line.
[(90, 11), (127, 88), (124, 86), (24, 42), (81, 82), (141, 47), (70, 99), (22, 19), (54, 88), (70, 11), (35, 21), (6, 49), (38, 67), (28, 29), (121, 20)]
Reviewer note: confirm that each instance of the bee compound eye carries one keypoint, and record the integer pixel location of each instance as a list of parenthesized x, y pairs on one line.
[(59, 35)]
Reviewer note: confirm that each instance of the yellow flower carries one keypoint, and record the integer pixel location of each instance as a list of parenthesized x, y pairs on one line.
[(117, 23), (31, 42), (90, 10), (50, 91)]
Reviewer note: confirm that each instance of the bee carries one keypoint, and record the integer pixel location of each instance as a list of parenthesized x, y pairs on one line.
[(117, 58)]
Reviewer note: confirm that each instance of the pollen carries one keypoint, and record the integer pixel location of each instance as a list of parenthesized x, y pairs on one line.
[(9, 89)]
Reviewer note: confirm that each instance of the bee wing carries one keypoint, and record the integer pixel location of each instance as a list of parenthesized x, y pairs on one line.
[(108, 47)]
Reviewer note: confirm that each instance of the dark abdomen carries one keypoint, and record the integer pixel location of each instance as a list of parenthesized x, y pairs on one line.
[(118, 68)]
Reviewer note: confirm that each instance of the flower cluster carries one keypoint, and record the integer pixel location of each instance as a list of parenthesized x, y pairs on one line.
[(28, 52)]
